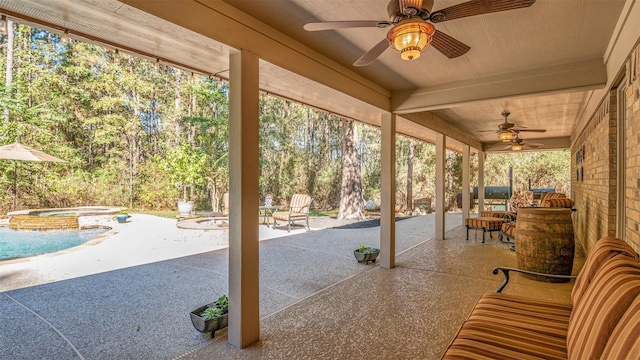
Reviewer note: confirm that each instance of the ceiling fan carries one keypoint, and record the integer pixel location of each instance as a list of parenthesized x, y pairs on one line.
[(517, 143), (412, 29), (507, 131)]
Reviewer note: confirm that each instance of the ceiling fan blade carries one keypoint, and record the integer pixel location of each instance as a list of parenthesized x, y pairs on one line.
[(332, 25), (530, 130), (448, 46), (371, 55), (478, 7)]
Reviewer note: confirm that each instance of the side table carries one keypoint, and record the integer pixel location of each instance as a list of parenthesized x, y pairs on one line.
[(265, 212)]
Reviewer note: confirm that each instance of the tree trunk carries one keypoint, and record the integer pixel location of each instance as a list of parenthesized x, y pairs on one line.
[(412, 146), (351, 205), (9, 69)]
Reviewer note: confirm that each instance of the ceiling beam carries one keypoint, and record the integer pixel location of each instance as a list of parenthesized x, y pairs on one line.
[(436, 124), (577, 76)]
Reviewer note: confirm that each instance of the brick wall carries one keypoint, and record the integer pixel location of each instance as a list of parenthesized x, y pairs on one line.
[(593, 175), (593, 166), (632, 150)]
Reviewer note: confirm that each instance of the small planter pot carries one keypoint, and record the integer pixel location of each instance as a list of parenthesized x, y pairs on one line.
[(366, 257), (185, 208), (122, 218), (211, 325)]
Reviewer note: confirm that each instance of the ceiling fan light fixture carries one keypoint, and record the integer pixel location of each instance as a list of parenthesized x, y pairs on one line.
[(516, 147), (505, 135), (411, 37)]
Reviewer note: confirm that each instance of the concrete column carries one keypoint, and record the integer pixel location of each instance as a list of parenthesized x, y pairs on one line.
[(244, 303), (441, 152), (466, 199), (480, 181), (388, 192)]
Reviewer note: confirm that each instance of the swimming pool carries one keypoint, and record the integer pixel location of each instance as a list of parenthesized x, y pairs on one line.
[(18, 244)]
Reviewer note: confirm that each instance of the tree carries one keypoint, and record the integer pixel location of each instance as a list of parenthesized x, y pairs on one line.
[(412, 146), (9, 67), (184, 168), (351, 204)]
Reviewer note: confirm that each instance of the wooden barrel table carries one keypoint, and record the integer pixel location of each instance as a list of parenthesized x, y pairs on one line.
[(544, 242)]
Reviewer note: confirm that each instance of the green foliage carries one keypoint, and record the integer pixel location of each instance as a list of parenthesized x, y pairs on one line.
[(367, 250), (139, 137), (223, 302), (211, 313), (184, 167), (545, 169), (217, 309)]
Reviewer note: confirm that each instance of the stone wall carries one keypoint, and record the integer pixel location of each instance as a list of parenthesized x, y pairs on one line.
[(594, 161)]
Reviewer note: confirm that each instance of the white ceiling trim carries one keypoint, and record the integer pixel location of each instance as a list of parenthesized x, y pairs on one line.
[(578, 76)]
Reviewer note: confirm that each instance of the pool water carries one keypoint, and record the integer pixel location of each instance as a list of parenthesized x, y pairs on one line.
[(17, 244)]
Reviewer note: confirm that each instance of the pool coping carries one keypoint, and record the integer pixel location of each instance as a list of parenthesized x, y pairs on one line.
[(92, 210)]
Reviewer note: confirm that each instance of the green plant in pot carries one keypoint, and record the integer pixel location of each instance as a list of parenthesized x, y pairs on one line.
[(365, 254), (185, 168), (122, 216), (211, 317)]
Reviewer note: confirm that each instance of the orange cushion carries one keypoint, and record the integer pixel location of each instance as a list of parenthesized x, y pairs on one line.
[(603, 250), (614, 287), (624, 342), (562, 203), (509, 228), (487, 223)]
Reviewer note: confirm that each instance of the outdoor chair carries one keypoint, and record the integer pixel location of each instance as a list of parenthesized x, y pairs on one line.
[(225, 204), (298, 211)]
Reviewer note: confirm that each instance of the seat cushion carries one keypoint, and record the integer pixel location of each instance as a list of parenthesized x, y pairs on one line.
[(495, 214), (300, 203), (487, 223), (552, 195), (624, 342), (561, 203), (603, 250), (509, 228), (542, 316), (614, 287), (490, 340)]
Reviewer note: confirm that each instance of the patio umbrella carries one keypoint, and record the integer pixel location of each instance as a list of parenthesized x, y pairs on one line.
[(17, 151)]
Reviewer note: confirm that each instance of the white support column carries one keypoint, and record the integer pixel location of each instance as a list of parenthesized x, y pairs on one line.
[(480, 181), (244, 303), (441, 152), (388, 192), (466, 199)]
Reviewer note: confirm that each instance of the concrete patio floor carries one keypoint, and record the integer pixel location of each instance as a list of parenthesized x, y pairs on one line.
[(317, 302)]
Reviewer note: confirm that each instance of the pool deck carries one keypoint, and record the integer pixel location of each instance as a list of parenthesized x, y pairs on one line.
[(316, 301), (143, 239)]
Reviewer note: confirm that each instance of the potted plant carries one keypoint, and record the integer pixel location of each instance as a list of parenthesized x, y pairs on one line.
[(184, 167), (122, 216), (211, 317), (365, 254)]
